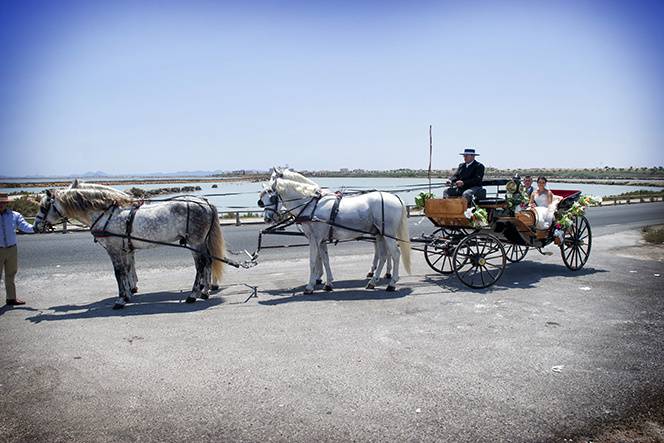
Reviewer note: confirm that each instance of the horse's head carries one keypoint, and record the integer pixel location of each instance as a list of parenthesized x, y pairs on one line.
[(48, 214), (269, 200)]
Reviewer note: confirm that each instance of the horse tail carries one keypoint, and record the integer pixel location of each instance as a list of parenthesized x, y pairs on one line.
[(404, 240), (216, 248)]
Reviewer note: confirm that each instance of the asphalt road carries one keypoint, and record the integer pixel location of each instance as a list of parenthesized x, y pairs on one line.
[(544, 355), (44, 252)]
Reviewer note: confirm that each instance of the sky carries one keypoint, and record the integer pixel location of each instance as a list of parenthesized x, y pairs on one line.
[(130, 87)]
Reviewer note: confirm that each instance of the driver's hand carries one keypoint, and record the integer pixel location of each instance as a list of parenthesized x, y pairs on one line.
[(459, 183)]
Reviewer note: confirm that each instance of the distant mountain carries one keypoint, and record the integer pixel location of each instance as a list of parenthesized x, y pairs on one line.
[(94, 174)]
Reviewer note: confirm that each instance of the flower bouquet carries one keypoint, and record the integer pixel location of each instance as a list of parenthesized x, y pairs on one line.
[(565, 220), (516, 196), (478, 216)]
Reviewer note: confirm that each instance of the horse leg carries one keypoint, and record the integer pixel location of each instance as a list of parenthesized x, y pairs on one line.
[(388, 262), (325, 258), (132, 273), (395, 254), (319, 271), (376, 257), (121, 269), (199, 262), (313, 258), (207, 279), (381, 262)]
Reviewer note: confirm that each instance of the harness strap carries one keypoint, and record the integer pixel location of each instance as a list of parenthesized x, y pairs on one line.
[(130, 224), (110, 208), (333, 215), (185, 239), (382, 210)]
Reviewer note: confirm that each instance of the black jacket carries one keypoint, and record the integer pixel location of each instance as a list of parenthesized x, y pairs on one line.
[(470, 176)]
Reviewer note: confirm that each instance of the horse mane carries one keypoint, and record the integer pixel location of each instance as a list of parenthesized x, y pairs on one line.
[(78, 202), (285, 186), (297, 177), (80, 184)]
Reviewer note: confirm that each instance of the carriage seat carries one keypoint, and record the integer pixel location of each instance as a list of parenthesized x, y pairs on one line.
[(491, 201)]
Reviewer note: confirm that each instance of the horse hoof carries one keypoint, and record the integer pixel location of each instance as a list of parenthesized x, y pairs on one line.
[(370, 286), (370, 274), (391, 289), (118, 306), (205, 296), (190, 299), (388, 275), (308, 291), (328, 288), (214, 287), (319, 281), (134, 290)]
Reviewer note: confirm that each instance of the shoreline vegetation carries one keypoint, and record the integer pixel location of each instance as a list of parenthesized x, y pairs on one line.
[(646, 177)]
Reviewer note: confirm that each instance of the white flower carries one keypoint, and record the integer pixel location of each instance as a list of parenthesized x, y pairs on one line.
[(468, 213)]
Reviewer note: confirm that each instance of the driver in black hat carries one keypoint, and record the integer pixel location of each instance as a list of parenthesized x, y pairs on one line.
[(467, 180)]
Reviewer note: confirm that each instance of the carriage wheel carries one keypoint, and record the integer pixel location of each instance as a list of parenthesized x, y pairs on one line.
[(576, 243), (515, 253), (479, 260), (457, 233), (438, 253)]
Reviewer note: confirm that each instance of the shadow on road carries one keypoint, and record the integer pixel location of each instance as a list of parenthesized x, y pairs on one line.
[(344, 290), (7, 308), (145, 304), (524, 275)]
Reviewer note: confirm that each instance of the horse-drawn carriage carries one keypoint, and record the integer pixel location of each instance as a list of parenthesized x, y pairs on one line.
[(478, 254)]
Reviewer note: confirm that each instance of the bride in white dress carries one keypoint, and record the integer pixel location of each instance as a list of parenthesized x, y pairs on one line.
[(543, 203)]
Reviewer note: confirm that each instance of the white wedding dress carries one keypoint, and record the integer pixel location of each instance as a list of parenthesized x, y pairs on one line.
[(544, 211)]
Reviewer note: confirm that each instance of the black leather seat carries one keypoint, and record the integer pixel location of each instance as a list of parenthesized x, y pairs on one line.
[(491, 201)]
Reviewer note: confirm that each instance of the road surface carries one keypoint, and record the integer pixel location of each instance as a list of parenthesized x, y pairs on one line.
[(544, 355)]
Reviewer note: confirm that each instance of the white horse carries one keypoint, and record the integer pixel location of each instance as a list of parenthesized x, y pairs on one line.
[(380, 214), (118, 224)]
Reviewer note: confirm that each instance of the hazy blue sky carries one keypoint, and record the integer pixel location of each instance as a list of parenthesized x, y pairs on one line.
[(128, 87)]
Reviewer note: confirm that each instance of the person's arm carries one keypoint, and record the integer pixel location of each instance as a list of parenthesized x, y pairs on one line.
[(23, 225), (532, 199), (550, 197), (476, 179), (455, 177)]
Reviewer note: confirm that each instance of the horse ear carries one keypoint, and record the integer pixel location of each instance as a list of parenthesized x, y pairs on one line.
[(75, 184), (48, 193)]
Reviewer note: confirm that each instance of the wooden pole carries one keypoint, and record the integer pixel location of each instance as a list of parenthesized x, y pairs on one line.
[(430, 154)]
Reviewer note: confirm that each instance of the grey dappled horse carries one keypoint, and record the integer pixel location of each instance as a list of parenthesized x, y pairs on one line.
[(110, 215)]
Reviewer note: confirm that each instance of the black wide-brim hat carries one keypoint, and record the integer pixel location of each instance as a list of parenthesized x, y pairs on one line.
[(468, 151)]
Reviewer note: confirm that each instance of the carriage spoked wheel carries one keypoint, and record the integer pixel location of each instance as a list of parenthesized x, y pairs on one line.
[(456, 233), (479, 260), (576, 243), (515, 253), (438, 253)]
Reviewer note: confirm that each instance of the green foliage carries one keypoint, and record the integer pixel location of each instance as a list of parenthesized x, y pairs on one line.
[(636, 194), (27, 206), (421, 199), (653, 234)]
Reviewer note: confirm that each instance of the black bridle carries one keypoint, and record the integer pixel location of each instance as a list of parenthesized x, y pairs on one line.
[(45, 209), (293, 213)]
